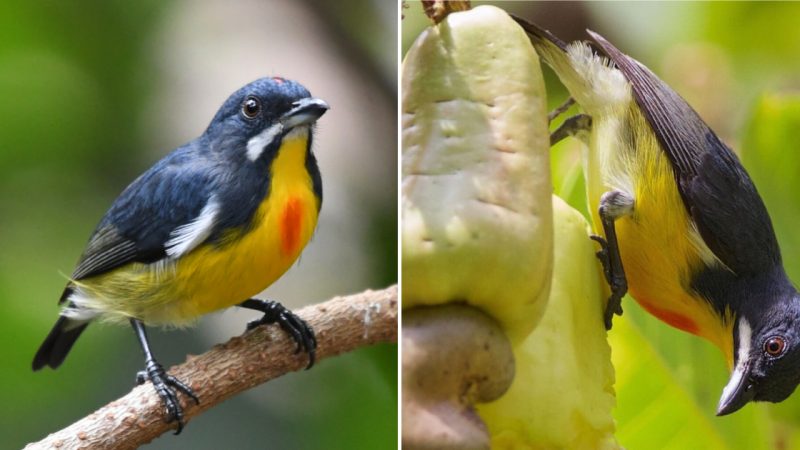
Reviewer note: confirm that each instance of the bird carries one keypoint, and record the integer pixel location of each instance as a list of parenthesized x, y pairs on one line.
[(209, 226), (680, 223)]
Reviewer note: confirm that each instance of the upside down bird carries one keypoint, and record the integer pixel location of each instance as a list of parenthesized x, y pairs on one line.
[(207, 227), (683, 227)]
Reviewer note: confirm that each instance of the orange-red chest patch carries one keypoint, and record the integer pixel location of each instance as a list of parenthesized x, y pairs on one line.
[(675, 319), (291, 224)]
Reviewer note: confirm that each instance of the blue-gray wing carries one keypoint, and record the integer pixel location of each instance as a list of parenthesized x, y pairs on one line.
[(716, 190), (170, 194)]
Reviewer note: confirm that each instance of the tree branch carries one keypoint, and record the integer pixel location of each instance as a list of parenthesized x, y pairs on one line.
[(341, 324)]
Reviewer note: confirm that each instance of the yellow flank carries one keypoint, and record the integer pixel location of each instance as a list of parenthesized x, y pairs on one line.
[(210, 278), (658, 254)]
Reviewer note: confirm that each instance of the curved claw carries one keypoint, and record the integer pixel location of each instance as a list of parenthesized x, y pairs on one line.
[(598, 238), (607, 320), (165, 386), (616, 282), (603, 256), (183, 388), (301, 333), (253, 324)]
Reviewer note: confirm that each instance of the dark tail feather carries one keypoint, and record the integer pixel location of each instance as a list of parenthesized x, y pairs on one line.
[(539, 35), (554, 52), (58, 343)]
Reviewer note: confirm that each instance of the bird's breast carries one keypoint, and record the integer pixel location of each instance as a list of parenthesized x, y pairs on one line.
[(292, 217), (255, 255), (660, 249)]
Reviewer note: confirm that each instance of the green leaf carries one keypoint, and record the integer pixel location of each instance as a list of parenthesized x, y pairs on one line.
[(655, 405)]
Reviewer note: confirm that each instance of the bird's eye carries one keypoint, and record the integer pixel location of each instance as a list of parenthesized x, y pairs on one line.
[(251, 107), (775, 346)]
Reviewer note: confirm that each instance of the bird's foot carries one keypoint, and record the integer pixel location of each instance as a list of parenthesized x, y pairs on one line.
[(602, 255), (166, 387), (577, 126), (614, 304), (616, 282), (297, 328)]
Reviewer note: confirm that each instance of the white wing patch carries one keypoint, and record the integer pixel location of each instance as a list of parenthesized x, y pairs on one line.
[(185, 238), (256, 144)]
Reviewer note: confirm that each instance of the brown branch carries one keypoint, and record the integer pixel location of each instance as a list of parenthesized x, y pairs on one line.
[(341, 324)]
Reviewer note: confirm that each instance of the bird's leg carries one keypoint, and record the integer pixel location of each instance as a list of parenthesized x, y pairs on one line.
[(560, 110), (577, 126), (613, 205), (296, 327), (163, 383)]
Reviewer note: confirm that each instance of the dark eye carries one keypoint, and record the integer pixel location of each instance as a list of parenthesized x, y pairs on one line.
[(775, 346), (251, 107)]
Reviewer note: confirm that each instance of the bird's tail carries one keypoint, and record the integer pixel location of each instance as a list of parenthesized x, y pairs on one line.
[(590, 78), (546, 43), (58, 343), (550, 48)]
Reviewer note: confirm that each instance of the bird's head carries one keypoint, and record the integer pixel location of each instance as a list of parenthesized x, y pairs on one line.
[(256, 118), (767, 356)]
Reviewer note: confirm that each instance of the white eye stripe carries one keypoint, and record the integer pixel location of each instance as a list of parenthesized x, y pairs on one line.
[(256, 144), (745, 334)]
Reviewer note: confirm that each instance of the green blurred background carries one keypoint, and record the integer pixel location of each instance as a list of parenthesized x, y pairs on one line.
[(94, 94), (738, 65)]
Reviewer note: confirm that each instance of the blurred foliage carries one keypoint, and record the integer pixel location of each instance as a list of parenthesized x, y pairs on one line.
[(69, 102), (75, 83), (736, 63), (658, 408)]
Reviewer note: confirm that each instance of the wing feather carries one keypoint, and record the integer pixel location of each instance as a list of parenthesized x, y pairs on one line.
[(716, 190), (160, 215)]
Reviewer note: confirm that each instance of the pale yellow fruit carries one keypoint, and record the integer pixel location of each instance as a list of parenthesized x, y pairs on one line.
[(476, 210), (562, 395)]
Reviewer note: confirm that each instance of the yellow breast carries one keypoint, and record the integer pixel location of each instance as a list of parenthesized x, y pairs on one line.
[(658, 252), (210, 277), (216, 278)]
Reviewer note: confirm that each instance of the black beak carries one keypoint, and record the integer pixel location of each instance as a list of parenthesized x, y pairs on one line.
[(304, 112), (738, 391)]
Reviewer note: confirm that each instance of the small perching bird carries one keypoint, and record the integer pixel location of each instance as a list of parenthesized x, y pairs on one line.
[(684, 228), (209, 226)]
